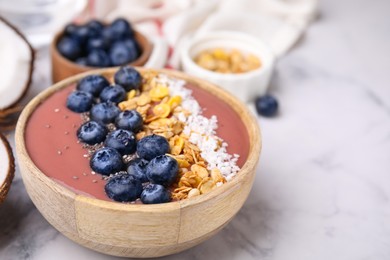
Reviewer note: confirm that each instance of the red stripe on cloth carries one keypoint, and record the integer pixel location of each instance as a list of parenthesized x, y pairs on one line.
[(159, 24), (91, 6), (160, 31), (170, 51)]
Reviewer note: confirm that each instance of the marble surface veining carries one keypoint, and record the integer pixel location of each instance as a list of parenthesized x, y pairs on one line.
[(322, 189)]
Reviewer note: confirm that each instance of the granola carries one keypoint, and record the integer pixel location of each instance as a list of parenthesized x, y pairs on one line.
[(165, 114)]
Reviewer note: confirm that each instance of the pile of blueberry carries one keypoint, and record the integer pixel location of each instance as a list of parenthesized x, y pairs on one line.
[(146, 177), (96, 45)]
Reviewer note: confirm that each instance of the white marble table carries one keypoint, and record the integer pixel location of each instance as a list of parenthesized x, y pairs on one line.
[(323, 184)]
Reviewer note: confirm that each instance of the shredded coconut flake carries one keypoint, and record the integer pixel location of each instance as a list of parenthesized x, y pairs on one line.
[(202, 130)]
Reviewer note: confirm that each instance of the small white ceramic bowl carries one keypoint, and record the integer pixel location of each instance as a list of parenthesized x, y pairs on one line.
[(245, 86)]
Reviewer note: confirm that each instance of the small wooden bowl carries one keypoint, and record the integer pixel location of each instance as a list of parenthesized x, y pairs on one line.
[(63, 68), (136, 230)]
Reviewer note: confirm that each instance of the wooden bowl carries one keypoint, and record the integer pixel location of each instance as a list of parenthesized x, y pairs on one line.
[(63, 68), (136, 230)]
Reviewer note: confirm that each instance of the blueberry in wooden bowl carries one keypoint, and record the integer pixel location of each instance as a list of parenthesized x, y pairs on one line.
[(83, 47)]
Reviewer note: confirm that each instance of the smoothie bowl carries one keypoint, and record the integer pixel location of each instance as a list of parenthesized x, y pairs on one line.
[(137, 162)]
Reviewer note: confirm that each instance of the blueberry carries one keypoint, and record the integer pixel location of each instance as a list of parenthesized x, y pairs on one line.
[(129, 120), (123, 188), (98, 58), (79, 101), (162, 170), (155, 194), (114, 93), (95, 24), (69, 48), (121, 28), (128, 78), (93, 84), (266, 105), (95, 28), (108, 35), (92, 133), (70, 29), (121, 140), (106, 161), (151, 146), (120, 54), (82, 61), (104, 113), (137, 167), (96, 43), (131, 43), (81, 34)]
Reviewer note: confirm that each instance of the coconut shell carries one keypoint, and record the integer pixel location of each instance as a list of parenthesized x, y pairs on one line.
[(9, 118), (4, 187), (9, 115)]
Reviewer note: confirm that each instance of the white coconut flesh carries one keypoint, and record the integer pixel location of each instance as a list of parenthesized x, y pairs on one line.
[(6, 166), (16, 59)]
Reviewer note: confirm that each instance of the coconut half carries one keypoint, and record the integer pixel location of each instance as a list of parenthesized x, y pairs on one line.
[(7, 167), (16, 65)]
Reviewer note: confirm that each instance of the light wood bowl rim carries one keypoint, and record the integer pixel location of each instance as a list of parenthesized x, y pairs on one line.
[(248, 167)]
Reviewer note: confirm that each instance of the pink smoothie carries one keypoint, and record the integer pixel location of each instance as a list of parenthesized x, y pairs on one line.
[(52, 143)]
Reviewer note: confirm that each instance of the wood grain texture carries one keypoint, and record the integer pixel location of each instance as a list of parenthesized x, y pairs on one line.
[(63, 68), (139, 230)]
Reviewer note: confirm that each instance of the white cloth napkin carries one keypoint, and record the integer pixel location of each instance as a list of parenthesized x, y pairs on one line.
[(169, 23)]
